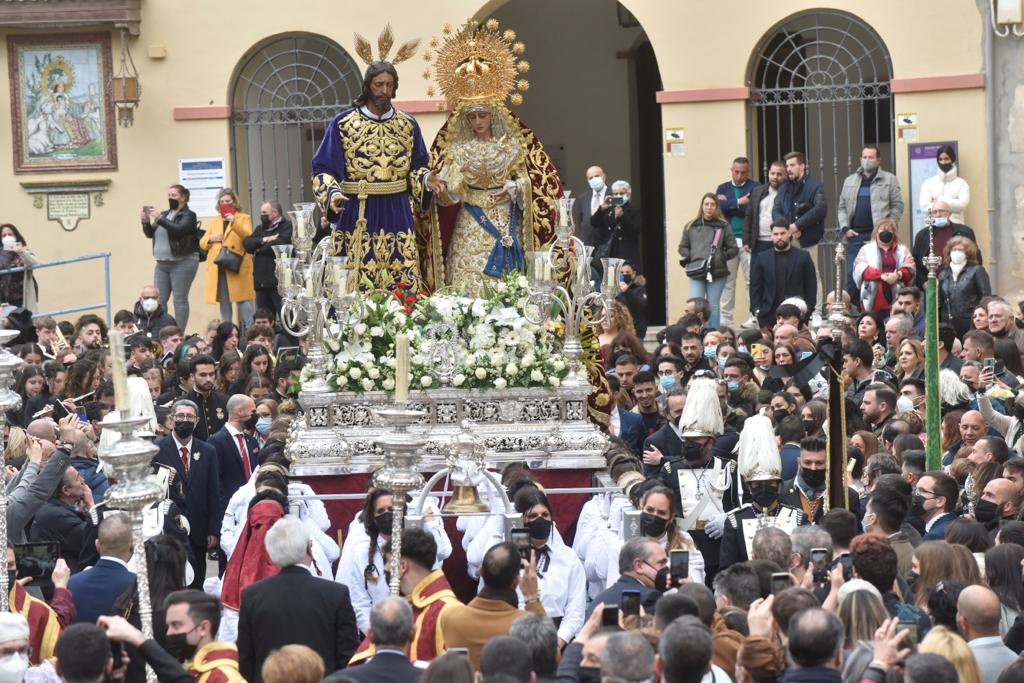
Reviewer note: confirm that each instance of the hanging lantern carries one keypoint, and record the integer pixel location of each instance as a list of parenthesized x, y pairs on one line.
[(125, 89)]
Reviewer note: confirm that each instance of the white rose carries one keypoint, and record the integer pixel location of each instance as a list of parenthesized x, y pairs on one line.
[(500, 383), (528, 360), (537, 376), (367, 384), (511, 370), (334, 345), (458, 380), (376, 331), (342, 368), (355, 373), (342, 382), (391, 362), (373, 373), (426, 381), (558, 365), (501, 287), (388, 384), (360, 329), (480, 373), (554, 381), (417, 359), (522, 281)]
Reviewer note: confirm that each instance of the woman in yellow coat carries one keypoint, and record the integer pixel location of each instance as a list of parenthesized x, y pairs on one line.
[(223, 286)]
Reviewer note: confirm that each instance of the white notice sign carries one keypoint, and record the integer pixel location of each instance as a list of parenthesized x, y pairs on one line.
[(204, 178)]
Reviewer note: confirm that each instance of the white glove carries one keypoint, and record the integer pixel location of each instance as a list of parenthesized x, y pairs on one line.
[(716, 526)]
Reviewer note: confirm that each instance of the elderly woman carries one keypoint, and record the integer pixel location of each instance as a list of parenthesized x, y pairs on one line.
[(881, 267), (963, 283), (706, 246), (225, 285)]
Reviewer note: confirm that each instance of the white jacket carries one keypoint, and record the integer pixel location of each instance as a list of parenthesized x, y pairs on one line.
[(950, 188)]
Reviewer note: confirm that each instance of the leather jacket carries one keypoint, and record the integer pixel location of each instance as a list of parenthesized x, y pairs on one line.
[(182, 231)]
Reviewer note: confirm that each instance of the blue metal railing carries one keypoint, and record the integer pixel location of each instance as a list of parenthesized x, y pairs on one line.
[(63, 262)]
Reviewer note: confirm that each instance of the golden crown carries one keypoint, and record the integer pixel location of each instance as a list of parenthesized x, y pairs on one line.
[(385, 42), (477, 62)]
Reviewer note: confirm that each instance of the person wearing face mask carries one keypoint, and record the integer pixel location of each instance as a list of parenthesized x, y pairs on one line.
[(806, 491), (760, 470), (868, 195), (17, 289), (175, 235), (943, 230), (618, 225), (1000, 502), (589, 203), (881, 267), (633, 295), (193, 618), (195, 487), (236, 449), (643, 566), (963, 283), (946, 186), (665, 443), (14, 647), (934, 503), (149, 315), (705, 484), (274, 230)]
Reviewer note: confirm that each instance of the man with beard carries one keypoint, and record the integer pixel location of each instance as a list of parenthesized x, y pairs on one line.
[(665, 444), (706, 484), (372, 161), (760, 469), (878, 406), (757, 228), (779, 274), (693, 355), (999, 502), (807, 490), (212, 404)]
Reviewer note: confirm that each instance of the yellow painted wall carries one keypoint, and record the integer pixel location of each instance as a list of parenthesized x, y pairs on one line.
[(699, 43)]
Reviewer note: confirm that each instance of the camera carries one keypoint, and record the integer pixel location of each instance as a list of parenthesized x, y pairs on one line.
[(618, 200)]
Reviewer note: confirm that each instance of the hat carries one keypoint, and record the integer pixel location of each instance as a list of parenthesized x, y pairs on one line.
[(758, 453), (12, 627), (702, 414)]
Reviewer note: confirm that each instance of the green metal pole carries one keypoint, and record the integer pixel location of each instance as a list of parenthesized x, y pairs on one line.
[(933, 400)]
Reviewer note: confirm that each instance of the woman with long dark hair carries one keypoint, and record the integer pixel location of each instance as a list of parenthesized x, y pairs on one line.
[(17, 289), (706, 247), (226, 339), (256, 360), (30, 383), (362, 566), (1003, 576)]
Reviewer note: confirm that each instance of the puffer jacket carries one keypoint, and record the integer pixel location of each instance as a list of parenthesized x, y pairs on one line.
[(695, 245), (959, 297), (950, 188)]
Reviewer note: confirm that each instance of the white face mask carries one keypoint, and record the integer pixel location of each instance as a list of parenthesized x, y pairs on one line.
[(9, 241), (958, 257), (149, 305), (13, 668), (904, 404), (596, 183)]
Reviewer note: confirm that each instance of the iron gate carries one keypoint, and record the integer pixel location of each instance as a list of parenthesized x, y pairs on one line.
[(819, 83), (285, 93)]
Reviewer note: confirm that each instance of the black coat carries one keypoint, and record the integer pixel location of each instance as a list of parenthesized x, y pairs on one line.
[(263, 274), (920, 250), (958, 298), (612, 595), (59, 522), (622, 233), (295, 608), (213, 413), (803, 203), (182, 231), (387, 667), (791, 496), (635, 299), (197, 493), (150, 324), (799, 280)]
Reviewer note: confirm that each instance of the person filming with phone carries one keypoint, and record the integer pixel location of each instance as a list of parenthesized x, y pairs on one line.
[(617, 226), (175, 235)]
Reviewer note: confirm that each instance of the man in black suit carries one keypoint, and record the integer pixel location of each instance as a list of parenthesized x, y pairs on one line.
[(641, 560), (196, 490), (779, 274), (390, 632), (236, 449), (211, 403), (665, 443), (294, 607), (757, 226), (274, 230), (590, 202)]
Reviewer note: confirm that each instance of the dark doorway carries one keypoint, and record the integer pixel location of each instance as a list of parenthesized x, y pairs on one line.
[(650, 178)]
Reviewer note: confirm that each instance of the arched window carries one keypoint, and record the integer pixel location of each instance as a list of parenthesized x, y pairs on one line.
[(284, 94), (819, 84)]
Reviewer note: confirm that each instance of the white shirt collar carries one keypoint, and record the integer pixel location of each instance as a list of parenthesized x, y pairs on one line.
[(232, 431), (117, 560), (370, 115), (179, 445)]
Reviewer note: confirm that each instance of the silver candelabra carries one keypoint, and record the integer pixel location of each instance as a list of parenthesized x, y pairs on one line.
[(9, 400)]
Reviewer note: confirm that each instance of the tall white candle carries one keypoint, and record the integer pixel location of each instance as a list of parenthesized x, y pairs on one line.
[(119, 372), (401, 368)]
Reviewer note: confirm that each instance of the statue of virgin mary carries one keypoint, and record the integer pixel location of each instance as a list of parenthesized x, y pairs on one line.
[(499, 186)]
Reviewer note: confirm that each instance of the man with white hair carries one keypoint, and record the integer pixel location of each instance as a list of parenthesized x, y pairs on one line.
[(618, 225), (944, 228), (294, 607), (1001, 324)]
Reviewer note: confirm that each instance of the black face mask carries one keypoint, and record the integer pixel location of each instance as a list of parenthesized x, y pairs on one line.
[(264, 220), (779, 415), (946, 168), (813, 478), (661, 580), (886, 236), (627, 278), (540, 529), (173, 203), (179, 647), (250, 423), (985, 511), (383, 522), (184, 429), (917, 506), (810, 426), (764, 498), (590, 674), (652, 525), (693, 451)]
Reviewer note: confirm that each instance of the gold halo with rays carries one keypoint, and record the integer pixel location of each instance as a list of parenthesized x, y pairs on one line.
[(477, 62)]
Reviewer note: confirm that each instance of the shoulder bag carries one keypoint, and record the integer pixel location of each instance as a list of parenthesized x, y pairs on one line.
[(699, 270), (227, 259)]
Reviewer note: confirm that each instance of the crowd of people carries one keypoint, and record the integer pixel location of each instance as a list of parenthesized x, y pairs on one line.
[(711, 555)]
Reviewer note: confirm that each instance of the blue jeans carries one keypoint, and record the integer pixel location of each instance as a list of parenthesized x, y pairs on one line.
[(712, 291)]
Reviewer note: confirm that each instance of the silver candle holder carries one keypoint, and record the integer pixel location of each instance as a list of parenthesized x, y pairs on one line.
[(400, 474), (9, 400)]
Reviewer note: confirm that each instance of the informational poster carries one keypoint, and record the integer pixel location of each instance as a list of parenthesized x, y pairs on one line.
[(675, 142), (906, 127), (922, 166), (204, 178)]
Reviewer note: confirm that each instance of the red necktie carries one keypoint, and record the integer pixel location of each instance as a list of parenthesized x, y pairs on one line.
[(184, 458), (245, 456)]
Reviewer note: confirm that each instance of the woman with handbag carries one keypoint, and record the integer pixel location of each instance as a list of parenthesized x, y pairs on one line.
[(706, 246), (228, 266)]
